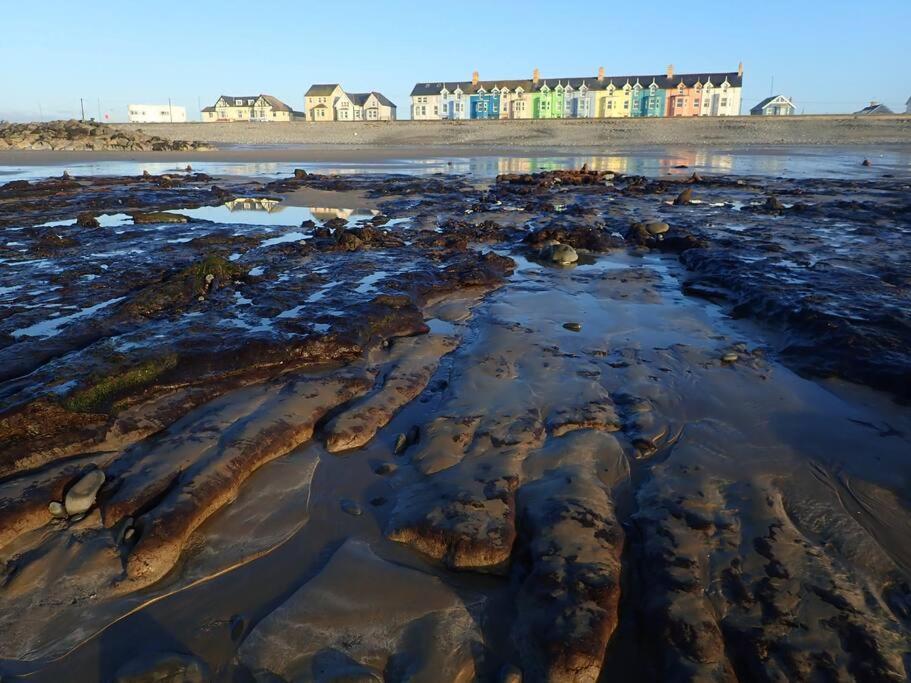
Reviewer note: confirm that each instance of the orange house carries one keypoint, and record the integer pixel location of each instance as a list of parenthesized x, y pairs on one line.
[(683, 99)]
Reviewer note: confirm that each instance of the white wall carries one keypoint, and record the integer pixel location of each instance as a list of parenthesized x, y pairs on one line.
[(156, 113)]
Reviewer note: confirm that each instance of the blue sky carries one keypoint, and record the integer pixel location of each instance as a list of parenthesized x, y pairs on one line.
[(830, 56)]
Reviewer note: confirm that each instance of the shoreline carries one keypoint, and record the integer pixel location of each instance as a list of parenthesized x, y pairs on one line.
[(314, 153)]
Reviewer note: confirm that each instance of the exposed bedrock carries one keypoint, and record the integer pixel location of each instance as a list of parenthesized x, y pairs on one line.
[(195, 490), (364, 618), (404, 374)]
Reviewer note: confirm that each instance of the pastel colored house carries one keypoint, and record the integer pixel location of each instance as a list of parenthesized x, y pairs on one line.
[(776, 105), (601, 96), (364, 106), (257, 108), (319, 101)]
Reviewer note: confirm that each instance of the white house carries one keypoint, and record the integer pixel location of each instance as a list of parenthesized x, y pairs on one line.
[(776, 105), (364, 106), (157, 113)]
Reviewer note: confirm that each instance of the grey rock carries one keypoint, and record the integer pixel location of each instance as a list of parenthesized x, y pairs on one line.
[(559, 253), (81, 496), (351, 507), (574, 327), (56, 509), (657, 228)]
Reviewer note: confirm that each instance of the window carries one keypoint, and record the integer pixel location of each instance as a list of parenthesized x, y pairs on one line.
[(696, 103), (724, 101), (626, 104), (436, 110)]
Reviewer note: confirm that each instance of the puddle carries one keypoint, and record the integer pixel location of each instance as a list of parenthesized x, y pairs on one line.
[(50, 328)]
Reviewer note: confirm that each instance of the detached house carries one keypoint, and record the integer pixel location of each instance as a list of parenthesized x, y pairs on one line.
[(248, 108), (776, 105), (874, 109), (329, 102), (601, 96), (364, 106)]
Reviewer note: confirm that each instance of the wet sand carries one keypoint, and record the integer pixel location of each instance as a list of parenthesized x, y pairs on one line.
[(420, 448)]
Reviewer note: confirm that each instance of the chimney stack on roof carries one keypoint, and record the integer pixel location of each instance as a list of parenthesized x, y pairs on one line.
[(600, 73), (873, 103), (474, 78), (670, 70), (740, 69), (535, 76)]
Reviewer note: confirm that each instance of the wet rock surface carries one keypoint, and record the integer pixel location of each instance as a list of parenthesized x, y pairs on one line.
[(492, 432)]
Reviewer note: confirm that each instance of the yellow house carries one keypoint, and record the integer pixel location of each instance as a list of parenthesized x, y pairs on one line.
[(247, 108), (614, 101), (320, 101)]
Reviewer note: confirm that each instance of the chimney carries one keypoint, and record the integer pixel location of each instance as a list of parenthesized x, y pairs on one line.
[(600, 73), (535, 76), (474, 78), (670, 71), (740, 69)]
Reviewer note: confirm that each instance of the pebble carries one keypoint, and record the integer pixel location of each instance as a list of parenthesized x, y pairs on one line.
[(56, 509), (129, 534), (574, 327), (401, 443), (866, 162), (209, 278), (385, 468), (730, 357), (351, 507), (81, 497), (684, 197), (511, 674), (657, 228)]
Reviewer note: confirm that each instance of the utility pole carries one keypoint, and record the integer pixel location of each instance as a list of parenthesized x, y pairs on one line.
[(199, 107), (170, 111), (82, 108)]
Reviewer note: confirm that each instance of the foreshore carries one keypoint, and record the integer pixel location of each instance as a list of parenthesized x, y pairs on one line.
[(560, 134)]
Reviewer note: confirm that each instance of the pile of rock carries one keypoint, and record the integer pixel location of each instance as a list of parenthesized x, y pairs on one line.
[(75, 135)]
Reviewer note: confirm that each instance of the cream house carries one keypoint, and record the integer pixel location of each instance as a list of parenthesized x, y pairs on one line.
[(364, 106), (319, 101), (248, 108)]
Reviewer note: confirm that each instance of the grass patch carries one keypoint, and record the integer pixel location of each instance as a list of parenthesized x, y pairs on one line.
[(102, 394)]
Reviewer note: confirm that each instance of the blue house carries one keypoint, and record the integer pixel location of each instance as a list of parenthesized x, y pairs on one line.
[(484, 105)]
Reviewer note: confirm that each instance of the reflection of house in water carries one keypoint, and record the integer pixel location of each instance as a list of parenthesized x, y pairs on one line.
[(254, 204), (325, 213)]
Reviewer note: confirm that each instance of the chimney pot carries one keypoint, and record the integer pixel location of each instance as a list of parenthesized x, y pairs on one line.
[(536, 76), (670, 70), (600, 73), (474, 78), (740, 69)]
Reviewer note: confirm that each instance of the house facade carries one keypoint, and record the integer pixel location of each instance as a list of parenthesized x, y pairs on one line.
[(776, 105), (329, 102), (257, 108), (600, 96)]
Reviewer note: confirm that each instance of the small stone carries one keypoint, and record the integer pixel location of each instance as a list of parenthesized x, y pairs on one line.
[(56, 509), (129, 534), (511, 674), (188, 169), (77, 518), (866, 162), (385, 468), (684, 197), (772, 203), (300, 173), (201, 298), (81, 497), (730, 357), (351, 507), (574, 327), (560, 253), (401, 443), (657, 228), (209, 278)]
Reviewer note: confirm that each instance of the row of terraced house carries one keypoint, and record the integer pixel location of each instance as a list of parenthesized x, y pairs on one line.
[(601, 96)]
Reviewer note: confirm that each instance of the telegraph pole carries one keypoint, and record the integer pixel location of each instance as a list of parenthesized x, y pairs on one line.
[(199, 106), (99, 109), (82, 108), (170, 111)]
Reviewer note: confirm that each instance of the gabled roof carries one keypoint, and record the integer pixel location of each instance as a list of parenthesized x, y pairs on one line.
[(233, 98), (276, 104), (591, 82), (875, 109), (321, 89), (205, 109), (382, 99), (359, 99), (768, 100)]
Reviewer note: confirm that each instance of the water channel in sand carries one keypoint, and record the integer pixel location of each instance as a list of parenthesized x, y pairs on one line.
[(750, 498)]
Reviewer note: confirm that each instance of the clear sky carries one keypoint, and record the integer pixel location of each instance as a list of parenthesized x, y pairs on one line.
[(830, 56)]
